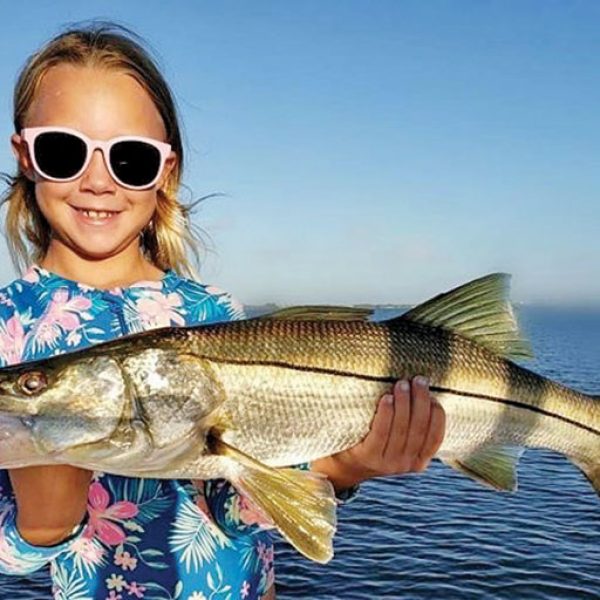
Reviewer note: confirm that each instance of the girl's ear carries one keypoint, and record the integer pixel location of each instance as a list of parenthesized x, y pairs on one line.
[(21, 152)]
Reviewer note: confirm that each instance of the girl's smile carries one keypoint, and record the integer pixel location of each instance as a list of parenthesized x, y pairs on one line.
[(95, 217)]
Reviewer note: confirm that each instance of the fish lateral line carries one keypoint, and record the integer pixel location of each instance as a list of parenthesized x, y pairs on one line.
[(515, 404), (392, 380)]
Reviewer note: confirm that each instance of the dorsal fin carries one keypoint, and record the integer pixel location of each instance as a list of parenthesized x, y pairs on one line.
[(320, 313), (478, 310)]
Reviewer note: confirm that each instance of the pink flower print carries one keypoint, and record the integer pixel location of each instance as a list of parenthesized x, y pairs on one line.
[(157, 309), (266, 554), (112, 595), (90, 551), (201, 498), (269, 577), (12, 340), (102, 516), (64, 312), (31, 275), (245, 591), (10, 561), (4, 299), (133, 589), (250, 514), (46, 333), (125, 561), (235, 306)]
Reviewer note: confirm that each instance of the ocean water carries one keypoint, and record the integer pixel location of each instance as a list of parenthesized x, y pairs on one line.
[(441, 536)]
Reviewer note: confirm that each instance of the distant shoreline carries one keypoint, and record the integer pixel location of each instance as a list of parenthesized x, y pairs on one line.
[(254, 310)]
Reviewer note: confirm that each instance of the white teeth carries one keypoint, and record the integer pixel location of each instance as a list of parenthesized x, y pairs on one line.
[(97, 214)]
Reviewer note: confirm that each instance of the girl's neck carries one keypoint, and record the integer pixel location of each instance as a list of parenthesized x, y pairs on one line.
[(104, 273)]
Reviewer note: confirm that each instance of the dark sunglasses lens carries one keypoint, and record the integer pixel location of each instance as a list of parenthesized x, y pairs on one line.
[(58, 154), (135, 163)]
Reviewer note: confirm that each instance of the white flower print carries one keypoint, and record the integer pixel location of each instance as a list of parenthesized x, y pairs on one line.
[(115, 582)]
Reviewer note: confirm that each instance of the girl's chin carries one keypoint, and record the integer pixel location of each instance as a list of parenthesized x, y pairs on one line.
[(94, 247)]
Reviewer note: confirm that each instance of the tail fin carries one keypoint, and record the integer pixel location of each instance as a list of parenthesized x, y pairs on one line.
[(591, 471)]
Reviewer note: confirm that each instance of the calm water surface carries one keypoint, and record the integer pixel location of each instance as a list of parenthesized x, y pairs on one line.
[(440, 536)]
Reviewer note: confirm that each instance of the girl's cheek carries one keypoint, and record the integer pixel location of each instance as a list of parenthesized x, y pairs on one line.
[(48, 193)]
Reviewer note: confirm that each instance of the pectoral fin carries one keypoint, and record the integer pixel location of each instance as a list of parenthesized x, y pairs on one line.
[(494, 466), (301, 504)]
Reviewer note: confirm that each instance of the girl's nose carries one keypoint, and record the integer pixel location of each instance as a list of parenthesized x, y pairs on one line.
[(96, 178)]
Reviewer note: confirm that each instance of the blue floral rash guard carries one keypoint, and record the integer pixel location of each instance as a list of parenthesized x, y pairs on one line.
[(143, 538)]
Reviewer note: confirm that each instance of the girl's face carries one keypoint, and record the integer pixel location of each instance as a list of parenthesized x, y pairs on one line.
[(101, 104)]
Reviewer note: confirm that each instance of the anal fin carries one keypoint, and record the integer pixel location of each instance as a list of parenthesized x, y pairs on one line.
[(301, 504), (591, 471), (495, 466)]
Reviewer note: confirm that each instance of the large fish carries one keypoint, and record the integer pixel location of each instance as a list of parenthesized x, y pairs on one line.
[(244, 400)]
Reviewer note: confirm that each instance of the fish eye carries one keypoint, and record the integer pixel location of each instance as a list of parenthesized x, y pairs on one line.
[(32, 383)]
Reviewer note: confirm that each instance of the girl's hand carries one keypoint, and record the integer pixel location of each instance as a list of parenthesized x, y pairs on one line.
[(406, 432)]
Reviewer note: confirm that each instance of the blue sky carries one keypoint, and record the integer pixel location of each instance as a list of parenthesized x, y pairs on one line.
[(373, 151)]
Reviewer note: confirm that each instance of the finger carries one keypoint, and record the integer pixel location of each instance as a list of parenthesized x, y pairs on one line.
[(376, 440), (420, 414), (435, 436), (398, 436)]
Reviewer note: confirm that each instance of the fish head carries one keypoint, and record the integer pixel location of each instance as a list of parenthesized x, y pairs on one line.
[(177, 395), (59, 403)]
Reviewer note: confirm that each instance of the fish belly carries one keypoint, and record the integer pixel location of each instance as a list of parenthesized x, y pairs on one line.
[(285, 416)]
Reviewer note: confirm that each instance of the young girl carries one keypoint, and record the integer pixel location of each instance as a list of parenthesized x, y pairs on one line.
[(93, 212)]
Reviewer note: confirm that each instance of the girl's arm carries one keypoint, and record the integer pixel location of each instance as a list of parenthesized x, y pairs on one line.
[(35, 514), (39, 506), (51, 502)]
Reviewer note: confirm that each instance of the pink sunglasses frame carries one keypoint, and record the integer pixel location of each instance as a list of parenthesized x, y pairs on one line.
[(29, 135)]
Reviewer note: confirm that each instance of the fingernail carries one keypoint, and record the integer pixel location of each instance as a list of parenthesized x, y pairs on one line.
[(404, 386), (388, 399), (420, 380)]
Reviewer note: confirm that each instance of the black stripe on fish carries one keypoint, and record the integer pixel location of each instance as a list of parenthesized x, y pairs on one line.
[(392, 380)]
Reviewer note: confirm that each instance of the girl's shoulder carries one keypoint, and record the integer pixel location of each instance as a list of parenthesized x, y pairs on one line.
[(14, 296), (16, 310), (205, 301), (31, 294)]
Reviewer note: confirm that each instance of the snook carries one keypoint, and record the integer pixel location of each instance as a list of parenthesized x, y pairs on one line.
[(244, 400)]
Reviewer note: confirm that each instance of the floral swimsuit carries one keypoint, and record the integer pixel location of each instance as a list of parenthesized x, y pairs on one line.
[(143, 538)]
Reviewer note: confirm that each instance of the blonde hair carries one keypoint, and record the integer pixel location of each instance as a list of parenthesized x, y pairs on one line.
[(102, 44)]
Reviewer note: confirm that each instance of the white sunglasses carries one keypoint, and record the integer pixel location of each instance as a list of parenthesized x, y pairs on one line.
[(63, 154)]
